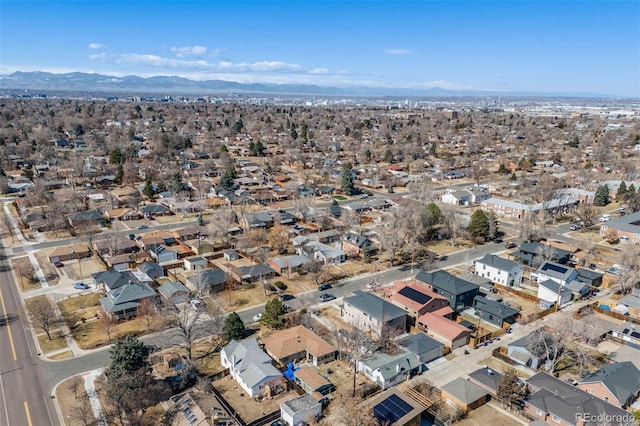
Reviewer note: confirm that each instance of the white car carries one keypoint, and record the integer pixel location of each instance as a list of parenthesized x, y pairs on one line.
[(604, 218), (195, 304), (257, 317)]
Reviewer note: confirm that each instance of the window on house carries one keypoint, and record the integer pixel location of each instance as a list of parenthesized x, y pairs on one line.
[(556, 418), (538, 412)]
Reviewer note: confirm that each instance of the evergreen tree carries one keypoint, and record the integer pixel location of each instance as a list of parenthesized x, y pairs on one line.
[(431, 217), (513, 177), (233, 327), (226, 181), (388, 156), (502, 169), (602, 196), (631, 189), (127, 356), (116, 156), (348, 186), (119, 173), (622, 191), (148, 189), (479, 224), (273, 316), (161, 187)]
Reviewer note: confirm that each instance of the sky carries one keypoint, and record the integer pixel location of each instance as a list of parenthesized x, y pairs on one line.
[(547, 47)]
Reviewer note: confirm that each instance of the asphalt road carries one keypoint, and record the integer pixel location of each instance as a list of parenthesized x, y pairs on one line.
[(24, 389)]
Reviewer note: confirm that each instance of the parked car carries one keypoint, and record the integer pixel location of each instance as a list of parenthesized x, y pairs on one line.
[(285, 306), (81, 286), (142, 227), (326, 297), (509, 244), (257, 317), (279, 422), (285, 297), (575, 227), (195, 304), (324, 287), (58, 264)]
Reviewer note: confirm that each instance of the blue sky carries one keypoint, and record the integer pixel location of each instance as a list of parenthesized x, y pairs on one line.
[(558, 46)]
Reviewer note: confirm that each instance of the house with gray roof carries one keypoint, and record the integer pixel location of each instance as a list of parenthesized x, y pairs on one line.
[(530, 253), (552, 292), (494, 312), (328, 255), (250, 366), (371, 313), (388, 370), (253, 273), (286, 265), (174, 292), (627, 226), (555, 401), (212, 279), (424, 348), (153, 270), (549, 270), (89, 217), (521, 351), (499, 270), (464, 394), (123, 302), (459, 292), (112, 279), (617, 383), (487, 378), (589, 277), (299, 410)]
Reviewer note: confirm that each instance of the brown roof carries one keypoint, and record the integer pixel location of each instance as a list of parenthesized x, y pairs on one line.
[(294, 340), (68, 250), (403, 301), (311, 377), (442, 326)]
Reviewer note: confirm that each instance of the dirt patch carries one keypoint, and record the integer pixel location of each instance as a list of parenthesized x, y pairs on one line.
[(444, 247), (248, 409), (88, 266), (62, 355), (80, 308), (487, 415), (74, 404), (48, 269)]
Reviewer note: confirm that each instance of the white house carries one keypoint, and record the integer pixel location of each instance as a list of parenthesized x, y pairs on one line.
[(389, 370), (250, 366), (550, 291), (561, 274), (195, 262), (299, 410), (465, 196), (499, 270)]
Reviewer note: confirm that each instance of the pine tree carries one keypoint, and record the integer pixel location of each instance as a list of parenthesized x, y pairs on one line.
[(127, 356), (479, 224), (226, 181), (233, 328), (631, 189), (273, 316), (602, 196), (148, 189), (348, 187), (622, 191)]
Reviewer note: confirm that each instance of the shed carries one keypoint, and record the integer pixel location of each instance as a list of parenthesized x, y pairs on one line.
[(464, 394)]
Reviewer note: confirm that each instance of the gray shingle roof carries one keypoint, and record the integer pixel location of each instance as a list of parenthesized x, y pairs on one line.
[(378, 308), (487, 376), (628, 223), (252, 363), (464, 390), (497, 262), (494, 308), (171, 288), (445, 281), (621, 378), (420, 344), (553, 286)]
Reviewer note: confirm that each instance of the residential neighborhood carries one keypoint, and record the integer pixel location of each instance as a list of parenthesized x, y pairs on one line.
[(267, 266)]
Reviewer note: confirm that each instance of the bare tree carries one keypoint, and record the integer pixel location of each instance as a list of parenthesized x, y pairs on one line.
[(147, 312), (28, 272), (349, 410), (82, 413), (190, 327), (547, 347), (586, 213), (43, 314), (219, 225), (75, 385), (6, 221), (106, 323), (396, 230)]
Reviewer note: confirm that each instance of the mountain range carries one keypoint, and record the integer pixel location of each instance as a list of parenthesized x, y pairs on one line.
[(172, 85)]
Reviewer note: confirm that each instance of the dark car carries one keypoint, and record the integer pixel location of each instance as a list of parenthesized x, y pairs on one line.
[(279, 422), (58, 264), (142, 227), (286, 296), (326, 297), (81, 286), (324, 287)]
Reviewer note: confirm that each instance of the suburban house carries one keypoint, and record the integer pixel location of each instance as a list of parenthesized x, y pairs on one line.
[(464, 394), (552, 292), (499, 270), (119, 244), (424, 348), (256, 220), (298, 344), (299, 410), (627, 226), (311, 381), (162, 254), (465, 196), (86, 218), (123, 302), (487, 378), (154, 210), (206, 279), (388, 370), (444, 330), (548, 270), (617, 384), (69, 252), (151, 269), (174, 292), (200, 409), (493, 312), (195, 262), (288, 264), (555, 401), (372, 314), (521, 351), (589, 277), (252, 273), (121, 214), (305, 246), (459, 292), (326, 237), (417, 300), (251, 367), (530, 253), (356, 245), (395, 408), (112, 280), (516, 210)]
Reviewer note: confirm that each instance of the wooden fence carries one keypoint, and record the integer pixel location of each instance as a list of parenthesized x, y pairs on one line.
[(518, 293), (609, 313)]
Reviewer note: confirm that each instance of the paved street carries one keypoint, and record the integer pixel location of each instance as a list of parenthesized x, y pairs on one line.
[(24, 384)]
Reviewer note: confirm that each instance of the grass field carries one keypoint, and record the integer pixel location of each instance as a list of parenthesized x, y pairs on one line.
[(57, 341)]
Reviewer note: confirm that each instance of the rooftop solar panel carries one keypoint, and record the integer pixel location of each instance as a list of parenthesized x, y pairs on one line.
[(556, 268), (391, 409), (414, 295)]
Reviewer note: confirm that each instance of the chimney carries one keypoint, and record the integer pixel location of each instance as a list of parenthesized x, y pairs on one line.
[(489, 371)]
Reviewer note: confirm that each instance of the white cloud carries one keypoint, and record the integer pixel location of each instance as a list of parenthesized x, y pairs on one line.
[(398, 52), (98, 56), (182, 52), (97, 46)]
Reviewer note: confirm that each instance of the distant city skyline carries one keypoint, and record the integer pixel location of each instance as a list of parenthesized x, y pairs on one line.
[(546, 47)]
